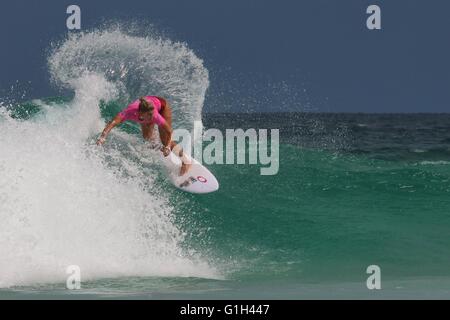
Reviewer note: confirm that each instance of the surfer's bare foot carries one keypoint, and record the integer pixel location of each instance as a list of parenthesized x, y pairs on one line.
[(185, 168)]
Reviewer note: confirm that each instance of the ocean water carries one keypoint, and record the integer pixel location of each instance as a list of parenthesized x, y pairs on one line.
[(352, 190)]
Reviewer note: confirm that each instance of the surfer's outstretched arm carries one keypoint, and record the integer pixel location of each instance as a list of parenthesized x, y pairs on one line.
[(116, 121)]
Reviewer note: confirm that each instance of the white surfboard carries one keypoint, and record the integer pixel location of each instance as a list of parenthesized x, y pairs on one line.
[(198, 179)]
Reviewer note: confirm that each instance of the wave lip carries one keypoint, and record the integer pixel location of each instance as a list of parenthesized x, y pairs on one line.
[(137, 66)]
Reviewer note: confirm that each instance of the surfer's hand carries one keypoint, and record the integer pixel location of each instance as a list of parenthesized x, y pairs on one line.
[(101, 141), (165, 151)]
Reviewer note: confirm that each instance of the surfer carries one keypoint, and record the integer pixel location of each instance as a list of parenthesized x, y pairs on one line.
[(148, 111)]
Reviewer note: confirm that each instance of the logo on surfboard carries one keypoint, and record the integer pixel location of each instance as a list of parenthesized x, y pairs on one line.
[(192, 180)]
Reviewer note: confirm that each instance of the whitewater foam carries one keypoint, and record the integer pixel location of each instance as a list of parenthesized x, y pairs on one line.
[(65, 201)]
